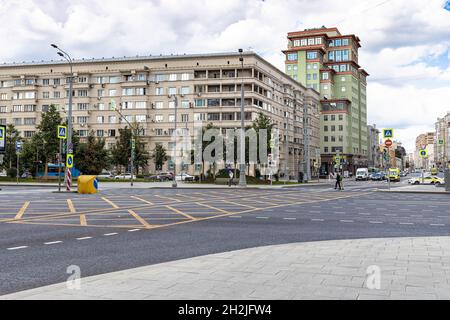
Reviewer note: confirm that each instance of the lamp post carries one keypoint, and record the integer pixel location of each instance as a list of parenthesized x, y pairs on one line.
[(242, 178), (174, 183), (133, 139), (69, 150)]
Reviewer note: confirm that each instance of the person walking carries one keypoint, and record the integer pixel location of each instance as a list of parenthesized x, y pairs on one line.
[(230, 175), (338, 182)]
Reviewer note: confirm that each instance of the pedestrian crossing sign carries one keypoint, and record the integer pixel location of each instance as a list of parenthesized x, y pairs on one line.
[(388, 133), (62, 132), (69, 161)]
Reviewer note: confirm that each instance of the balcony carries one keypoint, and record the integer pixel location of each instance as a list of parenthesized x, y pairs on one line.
[(335, 106)]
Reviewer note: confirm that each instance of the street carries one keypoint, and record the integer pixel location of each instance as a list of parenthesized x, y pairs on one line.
[(43, 233)]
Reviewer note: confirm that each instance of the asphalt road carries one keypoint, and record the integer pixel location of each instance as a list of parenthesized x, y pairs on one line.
[(165, 225)]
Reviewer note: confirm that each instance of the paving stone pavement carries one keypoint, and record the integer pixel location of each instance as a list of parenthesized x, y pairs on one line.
[(410, 268)]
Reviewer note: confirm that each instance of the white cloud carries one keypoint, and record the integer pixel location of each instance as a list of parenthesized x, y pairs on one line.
[(399, 39)]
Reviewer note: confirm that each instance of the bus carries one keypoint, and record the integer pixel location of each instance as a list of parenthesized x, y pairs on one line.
[(53, 172)]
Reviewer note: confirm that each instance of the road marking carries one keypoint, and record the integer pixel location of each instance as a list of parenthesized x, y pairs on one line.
[(437, 225), (407, 223), (143, 200), (83, 221), (240, 204), (84, 238), (262, 217), (319, 220), (53, 242), (211, 207), (235, 217), (17, 248), (376, 222), (115, 206), (71, 206), (110, 234), (347, 221), (181, 212), (140, 219), (289, 218), (134, 230), (168, 198), (22, 211), (364, 214)]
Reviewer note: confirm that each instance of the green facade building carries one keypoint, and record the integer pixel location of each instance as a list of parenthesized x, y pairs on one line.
[(327, 61)]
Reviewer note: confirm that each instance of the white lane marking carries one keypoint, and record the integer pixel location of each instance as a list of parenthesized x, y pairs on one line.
[(364, 214), (17, 248), (347, 221), (437, 225), (52, 242), (390, 214), (110, 234), (235, 217), (134, 230), (407, 223), (314, 211), (84, 238), (320, 220), (262, 217), (340, 212), (376, 222), (289, 218)]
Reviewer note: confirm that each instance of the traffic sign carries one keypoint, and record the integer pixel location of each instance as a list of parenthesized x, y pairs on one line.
[(423, 153), (388, 133), (69, 161), (18, 146), (388, 143), (2, 138), (441, 142), (70, 148), (62, 132)]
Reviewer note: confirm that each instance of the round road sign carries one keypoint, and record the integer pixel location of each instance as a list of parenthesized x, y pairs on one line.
[(388, 143)]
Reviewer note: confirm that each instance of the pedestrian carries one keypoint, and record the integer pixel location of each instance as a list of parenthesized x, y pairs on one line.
[(230, 180), (338, 182)]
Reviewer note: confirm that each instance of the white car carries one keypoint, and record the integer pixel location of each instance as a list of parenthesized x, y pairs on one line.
[(426, 180), (124, 176), (184, 177), (105, 175)]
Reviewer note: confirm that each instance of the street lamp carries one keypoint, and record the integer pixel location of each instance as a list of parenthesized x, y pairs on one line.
[(242, 178), (133, 139), (69, 147), (174, 183)]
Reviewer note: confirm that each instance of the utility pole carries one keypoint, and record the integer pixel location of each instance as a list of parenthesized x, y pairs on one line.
[(67, 57), (286, 147), (242, 178), (306, 156), (174, 183)]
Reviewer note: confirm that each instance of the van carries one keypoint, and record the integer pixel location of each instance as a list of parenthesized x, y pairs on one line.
[(434, 171), (362, 174), (394, 174)]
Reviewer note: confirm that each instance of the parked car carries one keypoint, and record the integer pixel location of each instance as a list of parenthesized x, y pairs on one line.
[(184, 177), (106, 175), (426, 180), (163, 176), (124, 176), (26, 174)]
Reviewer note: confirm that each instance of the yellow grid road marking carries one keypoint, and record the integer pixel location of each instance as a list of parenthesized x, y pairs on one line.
[(181, 212), (167, 198), (22, 211), (211, 207), (143, 200), (83, 221), (71, 206), (138, 218), (115, 206), (239, 204)]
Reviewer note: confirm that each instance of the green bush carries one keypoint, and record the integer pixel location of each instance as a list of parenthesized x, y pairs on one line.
[(12, 172)]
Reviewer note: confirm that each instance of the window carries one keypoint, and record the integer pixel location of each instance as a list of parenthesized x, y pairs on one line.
[(325, 128), (3, 109), (82, 93), (82, 79), (308, 66), (289, 67), (141, 77), (325, 138), (28, 134), (101, 80), (127, 105), (308, 76), (325, 149), (333, 139), (213, 116), (4, 96), (17, 108), (341, 128), (82, 119), (83, 133), (160, 77), (333, 117), (112, 119), (199, 103), (303, 42), (185, 76), (141, 118), (45, 95), (345, 42), (338, 42), (172, 91), (128, 91), (171, 104), (100, 119), (100, 133), (140, 104), (141, 91), (199, 116), (325, 118), (314, 76), (29, 121), (184, 118), (341, 117), (100, 93), (292, 56), (159, 91), (159, 105), (45, 82), (159, 132), (213, 102), (17, 121), (159, 118), (185, 104), (112, 132), (343, 89), (310, 41), (56, 94), (333, 128), (173, 77), (325, 87), (315, 66), (185, 90), (111, 80), (101, 106), (171, 118), (82, 106), (311, 55), (318, 40), (112, 92), (295, 67), (296, 43)]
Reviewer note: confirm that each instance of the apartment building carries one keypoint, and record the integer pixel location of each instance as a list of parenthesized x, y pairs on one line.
[(327, 61), (207, 88), (442, 141), (425, 141), (374, 155)]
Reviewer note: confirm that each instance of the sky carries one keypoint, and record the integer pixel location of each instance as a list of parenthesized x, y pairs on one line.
[(405, 43)]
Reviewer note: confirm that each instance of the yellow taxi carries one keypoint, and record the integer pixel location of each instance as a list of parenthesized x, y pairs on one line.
[(426, 180)]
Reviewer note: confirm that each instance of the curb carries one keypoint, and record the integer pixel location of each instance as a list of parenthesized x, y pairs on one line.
[(420, 192)]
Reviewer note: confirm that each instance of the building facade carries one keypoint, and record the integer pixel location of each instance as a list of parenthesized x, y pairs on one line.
[(425, 141), (442, 141), (327, 61), (207, 88), (373, 138)]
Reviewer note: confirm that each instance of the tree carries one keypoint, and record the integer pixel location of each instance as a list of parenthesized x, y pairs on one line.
[(12, 136), (263, 122), (159, 156), (92, 157), (47, 134), (121, 152)]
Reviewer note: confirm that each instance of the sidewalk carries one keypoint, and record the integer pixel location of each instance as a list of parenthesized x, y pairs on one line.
[(431, 189), (411, 268)]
